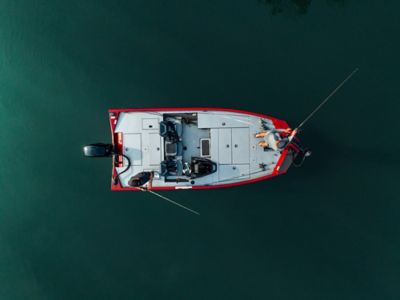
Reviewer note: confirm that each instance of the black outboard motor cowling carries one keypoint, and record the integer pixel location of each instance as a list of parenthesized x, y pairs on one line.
[(98, 150)]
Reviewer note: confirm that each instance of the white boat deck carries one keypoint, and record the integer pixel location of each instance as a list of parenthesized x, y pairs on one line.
[(233, 146)]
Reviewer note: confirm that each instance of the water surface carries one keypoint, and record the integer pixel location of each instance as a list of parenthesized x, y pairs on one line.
[(329, 230)]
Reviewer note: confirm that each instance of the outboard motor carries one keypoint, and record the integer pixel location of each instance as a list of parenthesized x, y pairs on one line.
[(98, 150)]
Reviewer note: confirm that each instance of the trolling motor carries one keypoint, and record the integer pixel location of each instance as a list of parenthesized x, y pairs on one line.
[(98, 150), (300, 157)]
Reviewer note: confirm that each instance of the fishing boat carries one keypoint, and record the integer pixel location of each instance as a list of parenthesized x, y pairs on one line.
[(197, 148), (194, 148)]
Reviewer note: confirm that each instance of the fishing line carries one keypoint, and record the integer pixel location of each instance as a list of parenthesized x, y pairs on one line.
[(327, 98), (171, 201)]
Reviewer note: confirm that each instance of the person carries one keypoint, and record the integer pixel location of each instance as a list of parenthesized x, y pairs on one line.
[(140, 179), (274, 140)]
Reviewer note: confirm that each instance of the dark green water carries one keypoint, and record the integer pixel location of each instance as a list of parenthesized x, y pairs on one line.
[(329, 230)]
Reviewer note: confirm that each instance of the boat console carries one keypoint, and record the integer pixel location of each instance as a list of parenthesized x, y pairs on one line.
[(170, 130), (202, 166), (185, 153)]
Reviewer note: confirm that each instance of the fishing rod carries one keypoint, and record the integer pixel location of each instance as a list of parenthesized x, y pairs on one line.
[(327, 99), (295, 131)]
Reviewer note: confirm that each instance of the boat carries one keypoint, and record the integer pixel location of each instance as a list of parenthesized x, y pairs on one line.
[(194, 148), (198, 148)]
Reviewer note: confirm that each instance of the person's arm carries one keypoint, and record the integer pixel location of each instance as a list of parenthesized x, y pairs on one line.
[(291, 136), (279, 130)]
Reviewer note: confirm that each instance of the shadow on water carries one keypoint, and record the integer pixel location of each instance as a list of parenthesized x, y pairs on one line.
[(329, 154), (299, 6)]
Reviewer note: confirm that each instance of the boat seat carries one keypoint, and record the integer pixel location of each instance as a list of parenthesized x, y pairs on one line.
[(163, 129), (172, 167), (173, 149), (168, 167), (171, 130)]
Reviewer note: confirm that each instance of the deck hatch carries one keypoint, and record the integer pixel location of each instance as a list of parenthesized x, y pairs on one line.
[(154, 147), (133, 148), (149, 123), (240, 145), (205, 148), (224, 145)]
